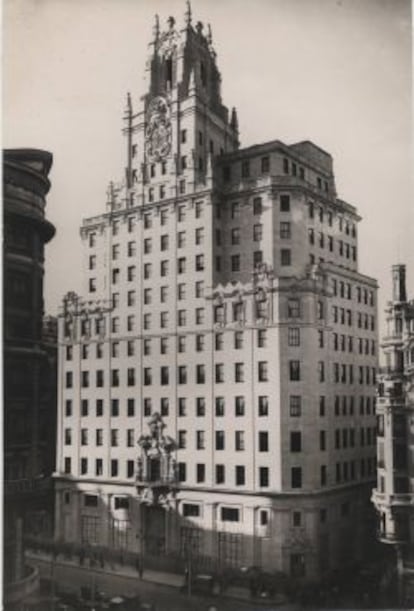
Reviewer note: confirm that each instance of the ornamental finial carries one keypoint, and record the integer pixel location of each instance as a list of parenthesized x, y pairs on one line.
[(209, 35), (156, 27), (187, 15)]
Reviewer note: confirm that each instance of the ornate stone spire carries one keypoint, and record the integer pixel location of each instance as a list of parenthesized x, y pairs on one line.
[(209, 35), (187, 14), (234, 122), (156, 29)]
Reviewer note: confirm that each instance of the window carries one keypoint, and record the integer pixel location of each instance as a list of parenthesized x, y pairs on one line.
[(182, 471), (92, 239), (238, 372), (321, 371), (84, 407), (68, 437), (99, 378), (263, 408), (220, 440), (147, 270), (164, 268), (68, 407), (285, 232), (321, 406), (147, 246), (84, 466), (200, 440), (245, 169), (181, 318), (92, 285), (229, 514), (235, 236), (132, 248), (257, 205), (295, 441), (239, 406), (295, 406), (262, 371), (296, 477), (265, 165), (182, 406), (294, 371), (219, 371), (263, 477), (163, 217), (199, 289), (257, 232), (293, 336), (240, 475), (263, 441), (200, 374), (181, 265), (293, 308), (99, 407), (182, 439), (257, 257), (199, 316), (181, 343), (200, 343), (85, 379), (285, 256), (285, 203), (235, 263), (220, 474), (147, 376), (239, 441), (114, 468), (130, 323), (219, 406), (200, 477), (115, 276), (322, 441), (164, 374), (68, 465), (114, 407), (219, 341), (115, 251), (219, 314), (182, 374), (199, 263), (235, 210)]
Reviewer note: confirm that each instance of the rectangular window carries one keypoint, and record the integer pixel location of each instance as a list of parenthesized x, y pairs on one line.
[(220, 440), (239, 406), (239, 372), (285, 256), (182, 374), (285, 203), (200, 478), (219, 371), (200, 374), (263, 477), (295, 406), (220, 474), (285, 232), (200, 440), (219, 341), (295, 441), (219, 406), (294, 371), (296, 477), (257, 232), (240, 475), (262, 371), (239, 441), (263, 406), (293, 336), (263, 441)]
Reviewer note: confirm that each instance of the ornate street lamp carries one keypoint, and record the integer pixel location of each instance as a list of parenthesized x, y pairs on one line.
[(156, 477)]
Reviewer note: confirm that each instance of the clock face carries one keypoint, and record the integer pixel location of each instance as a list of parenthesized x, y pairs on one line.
[(158, 132)]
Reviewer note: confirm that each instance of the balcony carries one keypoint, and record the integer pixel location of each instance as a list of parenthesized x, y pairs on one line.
[(398, 371)]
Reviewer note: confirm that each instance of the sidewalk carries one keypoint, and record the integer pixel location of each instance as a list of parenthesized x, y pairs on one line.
[(172, 580)]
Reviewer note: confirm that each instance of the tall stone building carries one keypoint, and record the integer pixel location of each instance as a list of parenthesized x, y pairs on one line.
[(29, 367), (221, 291), (393, 496)]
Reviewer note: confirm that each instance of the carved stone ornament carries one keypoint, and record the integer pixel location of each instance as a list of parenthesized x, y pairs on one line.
[(158, 132)]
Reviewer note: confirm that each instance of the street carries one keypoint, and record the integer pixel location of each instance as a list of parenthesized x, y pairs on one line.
[(165, 598)]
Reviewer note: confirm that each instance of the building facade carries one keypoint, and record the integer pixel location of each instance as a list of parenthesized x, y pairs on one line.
[(393, 497), (221, 291), (29, 369)]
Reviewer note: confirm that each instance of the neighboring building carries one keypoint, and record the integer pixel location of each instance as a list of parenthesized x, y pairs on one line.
[(394, 496), (222, 291), (29, 374)]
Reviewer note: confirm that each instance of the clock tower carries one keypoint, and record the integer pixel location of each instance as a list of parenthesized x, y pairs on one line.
[(182, 123)]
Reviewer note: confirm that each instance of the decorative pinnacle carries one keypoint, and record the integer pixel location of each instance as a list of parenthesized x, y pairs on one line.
[(234, 123), (129, 103), (187, 15), (156, 29), (209, 35), (199, 27)]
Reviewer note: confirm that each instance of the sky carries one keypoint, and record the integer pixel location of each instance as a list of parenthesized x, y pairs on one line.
[(337, 72)]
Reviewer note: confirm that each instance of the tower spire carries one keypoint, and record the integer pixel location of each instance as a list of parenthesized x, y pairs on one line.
[(234, 122), (187, 14), (156, 29)]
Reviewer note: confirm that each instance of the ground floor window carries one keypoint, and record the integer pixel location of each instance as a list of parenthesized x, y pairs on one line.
[(121, 536), (191, 541), (230, 549), (90, 526)]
